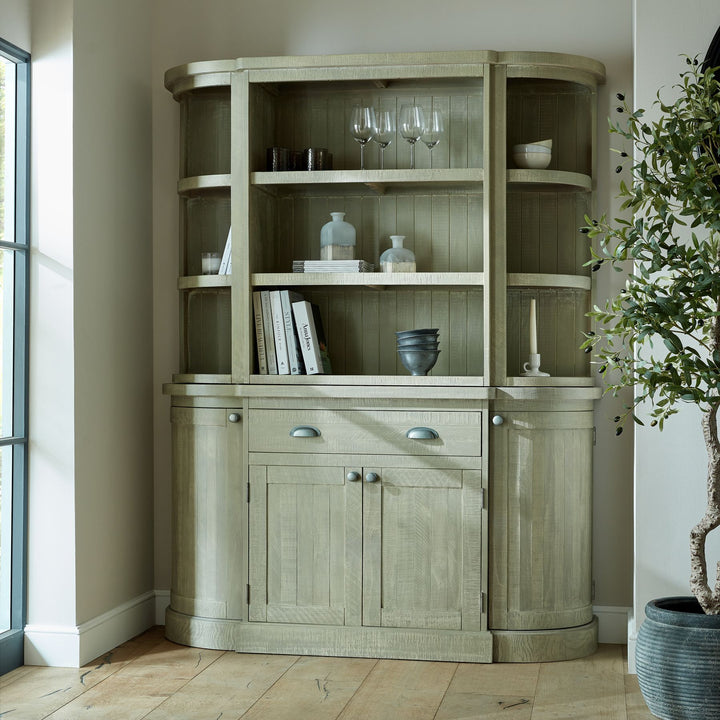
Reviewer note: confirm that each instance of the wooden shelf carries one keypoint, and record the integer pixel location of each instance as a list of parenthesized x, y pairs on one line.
[(377, 279), (549, 180), (380, 181), (370, 381), (191, 282), (550, 381), (549, 280), (203, 184), (192, 378)]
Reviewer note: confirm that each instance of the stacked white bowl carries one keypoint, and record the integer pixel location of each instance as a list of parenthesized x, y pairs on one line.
[(533, 156)]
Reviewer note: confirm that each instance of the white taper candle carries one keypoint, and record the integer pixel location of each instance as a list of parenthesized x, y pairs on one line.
[(533, 328)]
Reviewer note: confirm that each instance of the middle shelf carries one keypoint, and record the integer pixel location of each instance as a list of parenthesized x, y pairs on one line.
[(380, 280)]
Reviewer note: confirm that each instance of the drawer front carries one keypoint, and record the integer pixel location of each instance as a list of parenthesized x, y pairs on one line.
[(367, 432)]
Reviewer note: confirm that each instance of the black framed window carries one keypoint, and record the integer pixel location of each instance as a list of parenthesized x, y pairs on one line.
[(14, 274)]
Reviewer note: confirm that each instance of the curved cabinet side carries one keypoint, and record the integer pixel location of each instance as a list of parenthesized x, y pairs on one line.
[(209, 514), (541, 521)]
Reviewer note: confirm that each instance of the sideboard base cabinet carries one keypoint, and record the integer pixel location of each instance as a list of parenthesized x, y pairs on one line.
[(368, 511), (326, 640)]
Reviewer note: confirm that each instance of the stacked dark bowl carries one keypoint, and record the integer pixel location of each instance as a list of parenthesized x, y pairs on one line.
[(418, 349)]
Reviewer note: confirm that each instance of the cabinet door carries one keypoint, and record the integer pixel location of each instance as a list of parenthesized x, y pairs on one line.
[(209, 513), (541, 520), (422, 548), (305, 544)]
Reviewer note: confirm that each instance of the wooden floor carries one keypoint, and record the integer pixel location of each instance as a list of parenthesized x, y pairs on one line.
[(150, 677)]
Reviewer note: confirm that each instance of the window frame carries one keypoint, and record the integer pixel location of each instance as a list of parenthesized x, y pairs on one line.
[(11, 641)]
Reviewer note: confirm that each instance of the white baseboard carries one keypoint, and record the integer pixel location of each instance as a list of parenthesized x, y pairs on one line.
[(631, 643), (162, 600), (612, 624), (73, 646)]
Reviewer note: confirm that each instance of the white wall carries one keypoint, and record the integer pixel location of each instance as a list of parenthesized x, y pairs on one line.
[(90, 566), (186, 31), (51, 498), (15, 23), (670, 467), (113, 295)]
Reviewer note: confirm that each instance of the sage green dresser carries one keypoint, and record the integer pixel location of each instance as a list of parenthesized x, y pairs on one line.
[(369, 512)]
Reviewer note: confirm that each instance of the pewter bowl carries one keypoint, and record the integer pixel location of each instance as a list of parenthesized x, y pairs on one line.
[(418, 362), (412, 342), (422, 331)]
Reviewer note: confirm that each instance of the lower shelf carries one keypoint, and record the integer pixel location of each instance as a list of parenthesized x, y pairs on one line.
[(397, 643)]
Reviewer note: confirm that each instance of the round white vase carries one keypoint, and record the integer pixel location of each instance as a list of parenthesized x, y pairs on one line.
[(397, 258)]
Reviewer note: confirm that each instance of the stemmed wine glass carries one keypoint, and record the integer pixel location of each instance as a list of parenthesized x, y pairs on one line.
[(384, 132), (362, 128), (433, 131), (412, 124)]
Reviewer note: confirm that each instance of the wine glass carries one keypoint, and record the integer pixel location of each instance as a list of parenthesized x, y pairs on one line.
[(362, 128), (412, 124), (384, 132), (433, 131)]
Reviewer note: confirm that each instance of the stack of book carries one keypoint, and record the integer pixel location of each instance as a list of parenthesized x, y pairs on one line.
[(289, 334), (338, 266)]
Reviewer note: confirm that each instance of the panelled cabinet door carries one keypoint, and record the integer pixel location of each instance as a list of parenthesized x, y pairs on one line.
[(209, 513), (305, 544), (541, 520), (422, 548)]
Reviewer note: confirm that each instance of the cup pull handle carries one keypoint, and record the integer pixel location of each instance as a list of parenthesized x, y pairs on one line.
[(303, 431), (422, 433)]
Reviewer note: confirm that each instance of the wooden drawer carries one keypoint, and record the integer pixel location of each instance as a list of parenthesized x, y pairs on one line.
[(365, 432)]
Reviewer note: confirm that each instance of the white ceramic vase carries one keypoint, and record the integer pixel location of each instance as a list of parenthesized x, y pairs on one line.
[(397, 258), (337, 239)]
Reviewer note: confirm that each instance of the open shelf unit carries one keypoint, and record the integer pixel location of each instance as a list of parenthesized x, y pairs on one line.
[(487, 235)]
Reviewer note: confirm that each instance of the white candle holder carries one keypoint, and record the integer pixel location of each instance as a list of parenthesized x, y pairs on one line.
[(532, 367)]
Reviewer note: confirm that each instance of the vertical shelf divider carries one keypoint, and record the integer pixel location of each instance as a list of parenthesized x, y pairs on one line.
[(242, 336), (495, 263)]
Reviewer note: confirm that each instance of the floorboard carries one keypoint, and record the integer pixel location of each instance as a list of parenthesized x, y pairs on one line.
[(150, 678)]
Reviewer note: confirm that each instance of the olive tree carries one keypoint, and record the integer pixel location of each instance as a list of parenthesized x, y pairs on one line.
[(661, 333)]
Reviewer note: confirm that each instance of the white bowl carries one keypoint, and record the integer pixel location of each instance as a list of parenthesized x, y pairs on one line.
[(531, 159), (532, 147)]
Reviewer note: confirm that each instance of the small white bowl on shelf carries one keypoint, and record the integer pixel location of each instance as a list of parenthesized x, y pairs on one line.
[(532, 156)]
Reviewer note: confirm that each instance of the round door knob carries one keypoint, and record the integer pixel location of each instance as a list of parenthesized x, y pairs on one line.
[(498, 420), (353, 476), (234, 417), (372, 477)]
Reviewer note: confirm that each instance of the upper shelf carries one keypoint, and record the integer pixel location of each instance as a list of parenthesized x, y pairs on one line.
[(199, 184), (381, 181), (378, 180)]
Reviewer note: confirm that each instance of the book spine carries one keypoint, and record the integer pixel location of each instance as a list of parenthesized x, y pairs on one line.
[(321, 341), (308, 339), (287, 298), (259, 333), (225, 262), (278, 322), (269, 334)]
